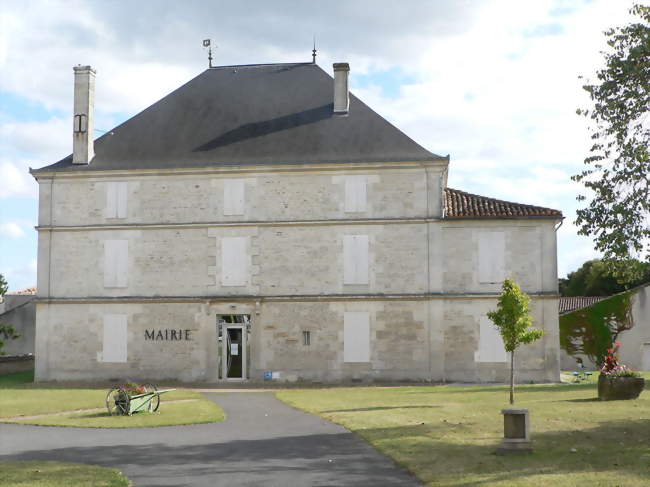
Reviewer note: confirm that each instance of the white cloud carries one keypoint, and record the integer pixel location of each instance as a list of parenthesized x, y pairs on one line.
[(37, 139), (11, 230), (15, 181), (493, 83)]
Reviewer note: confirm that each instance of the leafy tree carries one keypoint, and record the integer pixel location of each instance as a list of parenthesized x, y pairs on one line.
[(514, 321), (3, 287), (618, 165), (7, 332), (596, 278)]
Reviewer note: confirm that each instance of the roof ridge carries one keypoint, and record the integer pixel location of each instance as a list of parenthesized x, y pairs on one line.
[(257, 65)]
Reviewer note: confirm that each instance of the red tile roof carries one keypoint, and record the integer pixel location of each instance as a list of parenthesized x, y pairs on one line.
[(28, 291), (568, 304), (459, 204)]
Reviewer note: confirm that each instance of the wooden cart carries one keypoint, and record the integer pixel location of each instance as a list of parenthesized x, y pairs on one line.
[(121, 401)]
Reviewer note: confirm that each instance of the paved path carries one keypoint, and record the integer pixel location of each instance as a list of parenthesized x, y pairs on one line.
[(263, 442)]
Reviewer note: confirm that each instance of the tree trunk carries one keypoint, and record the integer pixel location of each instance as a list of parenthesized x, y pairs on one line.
[(512, 377)]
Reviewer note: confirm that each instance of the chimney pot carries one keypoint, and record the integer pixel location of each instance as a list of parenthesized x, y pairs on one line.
[(83, 149), (341, 91)]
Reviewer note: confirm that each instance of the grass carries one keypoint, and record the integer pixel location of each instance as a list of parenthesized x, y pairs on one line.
[(20, 397), (447, 435), (57, 474)]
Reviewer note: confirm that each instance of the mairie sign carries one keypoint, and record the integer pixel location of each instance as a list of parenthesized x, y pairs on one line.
[(170, 334)]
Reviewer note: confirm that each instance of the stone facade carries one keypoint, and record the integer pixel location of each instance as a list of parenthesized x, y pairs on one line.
[(422, 290)]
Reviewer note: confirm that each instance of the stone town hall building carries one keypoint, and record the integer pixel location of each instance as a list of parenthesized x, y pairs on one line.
[(262, 222)]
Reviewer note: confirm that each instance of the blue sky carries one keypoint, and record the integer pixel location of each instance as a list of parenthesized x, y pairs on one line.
[(492, 83)]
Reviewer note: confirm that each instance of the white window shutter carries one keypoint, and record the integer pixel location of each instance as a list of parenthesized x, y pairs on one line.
[(356, 336), (114, 338), (233, 197), (111, 200), (116, 196), (234, 261), (491, 257), (355, 194), (116, 263), (355, 259), (490, 346), (122, 191)]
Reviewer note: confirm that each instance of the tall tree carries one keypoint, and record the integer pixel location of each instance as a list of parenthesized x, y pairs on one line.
[(596, 278), (514, 321), (617, 173)]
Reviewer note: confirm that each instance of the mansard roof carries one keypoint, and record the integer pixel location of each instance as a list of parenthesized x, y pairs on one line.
[(459, 204), (250, 115)]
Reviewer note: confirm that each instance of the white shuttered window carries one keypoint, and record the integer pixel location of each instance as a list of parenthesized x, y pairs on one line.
[(490, 343), (116, 263), (355, 259), (116, 196), (115, 339), (233, 197), (491, 257), (355, 194), (356, 336), (234, 261)]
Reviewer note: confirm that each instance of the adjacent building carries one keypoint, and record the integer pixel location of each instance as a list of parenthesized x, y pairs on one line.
[(261, 222)]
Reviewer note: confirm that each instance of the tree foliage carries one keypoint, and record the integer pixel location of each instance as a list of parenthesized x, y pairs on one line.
[(617, 171), (596, 278), (7, 332), (3, 287), (512, 318), (591, 331)]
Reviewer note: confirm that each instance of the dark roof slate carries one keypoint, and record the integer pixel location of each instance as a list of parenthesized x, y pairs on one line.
[(459, 204), (255, 114)]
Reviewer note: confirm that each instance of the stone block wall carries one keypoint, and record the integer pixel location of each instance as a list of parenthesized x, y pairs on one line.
[(405, 341)]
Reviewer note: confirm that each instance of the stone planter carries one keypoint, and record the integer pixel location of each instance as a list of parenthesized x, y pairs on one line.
[(614, 388)]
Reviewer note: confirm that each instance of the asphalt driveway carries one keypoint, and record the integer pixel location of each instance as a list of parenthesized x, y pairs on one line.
[(263, 442)]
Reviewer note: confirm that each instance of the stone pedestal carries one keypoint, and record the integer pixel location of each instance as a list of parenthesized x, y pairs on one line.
[(516, 432)]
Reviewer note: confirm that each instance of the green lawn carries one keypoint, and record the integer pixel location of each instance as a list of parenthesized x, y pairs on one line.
[(448, 435), (57, 474), (20, 397)]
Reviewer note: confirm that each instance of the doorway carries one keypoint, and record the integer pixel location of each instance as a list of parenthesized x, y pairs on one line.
[(233, 332)]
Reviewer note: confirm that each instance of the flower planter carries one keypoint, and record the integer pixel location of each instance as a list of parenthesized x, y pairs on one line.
[(615, 388)]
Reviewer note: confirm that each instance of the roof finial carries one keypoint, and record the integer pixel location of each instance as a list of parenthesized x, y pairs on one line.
[(206, 43), (313, 52)]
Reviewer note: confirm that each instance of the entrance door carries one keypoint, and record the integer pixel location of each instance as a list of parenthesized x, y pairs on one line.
[(233, 333), (234, 353)]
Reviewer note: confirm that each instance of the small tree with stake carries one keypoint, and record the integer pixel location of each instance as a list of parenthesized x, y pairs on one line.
[(513, 319)]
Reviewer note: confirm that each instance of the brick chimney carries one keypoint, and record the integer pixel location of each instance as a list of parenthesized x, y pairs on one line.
[(83, 149), (341, 92)]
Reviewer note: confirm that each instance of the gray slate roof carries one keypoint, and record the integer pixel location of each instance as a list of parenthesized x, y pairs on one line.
[(255, 114)]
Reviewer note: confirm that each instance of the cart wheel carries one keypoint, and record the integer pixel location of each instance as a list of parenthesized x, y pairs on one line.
[(125, 403), (117, 402), (155, 400)]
